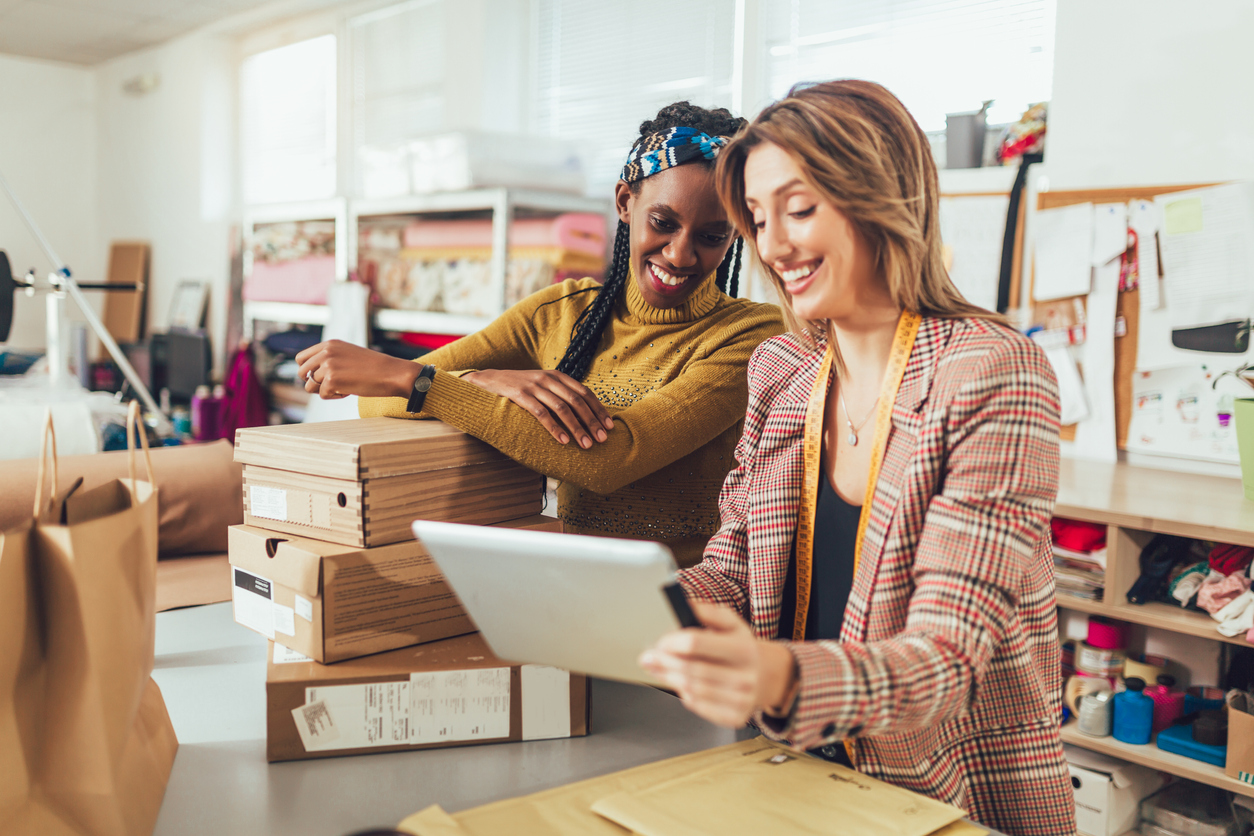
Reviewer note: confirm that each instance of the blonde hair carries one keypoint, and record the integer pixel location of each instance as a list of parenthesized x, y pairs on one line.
[(858, 147)]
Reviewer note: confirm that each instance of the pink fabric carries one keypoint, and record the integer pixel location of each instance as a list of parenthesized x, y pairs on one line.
[(246, 404), (1217, 592), (581, 232), (299, 280)]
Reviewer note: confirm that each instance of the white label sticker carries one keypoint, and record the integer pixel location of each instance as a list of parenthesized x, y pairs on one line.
[(286, 656), (545, 702), (459, 705), (253, 599), (316, 726), (269, 503), (376, 714), (284, 620), (304, 608)]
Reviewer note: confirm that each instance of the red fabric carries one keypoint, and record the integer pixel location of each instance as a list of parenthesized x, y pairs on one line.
[(1227, 559), (246, 403), (946, 675), (1078, 536), (428, 341)]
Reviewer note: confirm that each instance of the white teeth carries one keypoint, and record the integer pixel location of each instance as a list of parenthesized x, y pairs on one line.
[(797, 273), (666, 278)]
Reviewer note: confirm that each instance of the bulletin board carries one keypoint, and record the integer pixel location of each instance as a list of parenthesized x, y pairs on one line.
[(1128, 306)]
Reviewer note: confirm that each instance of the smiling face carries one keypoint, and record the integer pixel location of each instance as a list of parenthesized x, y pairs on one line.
[(679, 232), (826, 265)]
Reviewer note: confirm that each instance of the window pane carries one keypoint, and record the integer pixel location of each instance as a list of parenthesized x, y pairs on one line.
[(937, 56), (287, 122), (603, 68)]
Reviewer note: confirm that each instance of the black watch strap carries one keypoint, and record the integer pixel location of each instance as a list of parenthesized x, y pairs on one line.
[(418, 395)]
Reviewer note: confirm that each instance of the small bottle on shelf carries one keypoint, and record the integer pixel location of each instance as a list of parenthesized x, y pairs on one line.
[(1168, 705), (1134, 713)]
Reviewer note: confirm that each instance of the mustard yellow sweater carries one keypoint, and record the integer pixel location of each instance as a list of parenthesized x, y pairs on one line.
[(673, 379)]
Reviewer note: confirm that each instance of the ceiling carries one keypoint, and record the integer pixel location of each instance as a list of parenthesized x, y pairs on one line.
[(90, 31)]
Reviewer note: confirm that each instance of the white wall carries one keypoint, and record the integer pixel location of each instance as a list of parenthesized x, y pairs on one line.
[(47, 154), (1150, 92), (166, 166)]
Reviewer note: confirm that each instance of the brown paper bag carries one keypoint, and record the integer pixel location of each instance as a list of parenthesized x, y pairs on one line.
[(1240, 762), (86, 745)]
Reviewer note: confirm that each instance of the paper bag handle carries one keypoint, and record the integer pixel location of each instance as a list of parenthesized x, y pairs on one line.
[(49, 435), (134, 420)]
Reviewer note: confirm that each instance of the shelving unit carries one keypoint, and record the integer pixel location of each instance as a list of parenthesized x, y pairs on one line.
[(503, 204), (333, 209), (1136, 503)]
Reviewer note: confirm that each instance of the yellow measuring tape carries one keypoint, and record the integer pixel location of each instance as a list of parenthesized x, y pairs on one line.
[(903, 343)]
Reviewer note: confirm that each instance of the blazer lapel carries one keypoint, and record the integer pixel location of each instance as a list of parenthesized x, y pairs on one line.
[(907, 420)]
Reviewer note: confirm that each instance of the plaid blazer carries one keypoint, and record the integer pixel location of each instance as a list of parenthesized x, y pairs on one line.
[(947, 672)]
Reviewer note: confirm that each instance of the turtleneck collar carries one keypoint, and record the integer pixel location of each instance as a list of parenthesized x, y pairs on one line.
[(700, 303)]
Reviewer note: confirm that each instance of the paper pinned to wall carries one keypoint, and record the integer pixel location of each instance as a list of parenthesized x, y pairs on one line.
[(1208, 254), (1181, 411), (1110, 231), (1074, 404), (973, 226), (1064, 248), (1095, 436), (1143, 220)]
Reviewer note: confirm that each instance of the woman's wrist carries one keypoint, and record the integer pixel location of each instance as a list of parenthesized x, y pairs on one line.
[(403, 377), (780, 678)]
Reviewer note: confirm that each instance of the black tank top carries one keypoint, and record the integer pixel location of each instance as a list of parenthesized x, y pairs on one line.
[(831, 574)]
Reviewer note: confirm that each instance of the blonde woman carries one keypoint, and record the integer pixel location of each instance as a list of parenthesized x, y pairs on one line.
[(885, 534)]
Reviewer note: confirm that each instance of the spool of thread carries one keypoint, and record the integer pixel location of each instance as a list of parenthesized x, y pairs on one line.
[(1106, 633), (1068, 658), (1096, 713), (1080, 685), (1144, 666), (1099, 661)]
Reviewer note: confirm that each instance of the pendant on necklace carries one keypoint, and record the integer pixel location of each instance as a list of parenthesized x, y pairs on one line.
[(853, 440)]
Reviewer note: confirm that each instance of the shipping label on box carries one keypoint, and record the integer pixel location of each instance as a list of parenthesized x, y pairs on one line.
[(449, 693), (333, 602)]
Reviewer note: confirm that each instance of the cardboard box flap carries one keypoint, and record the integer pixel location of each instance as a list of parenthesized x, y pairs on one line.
[(361, 448), (1122, 774), (295, 562), (468, 652)]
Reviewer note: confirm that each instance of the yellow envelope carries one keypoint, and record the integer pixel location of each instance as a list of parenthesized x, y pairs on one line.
[(568, 810)]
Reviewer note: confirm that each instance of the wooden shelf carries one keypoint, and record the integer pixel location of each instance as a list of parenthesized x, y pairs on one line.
[(1156, 501), (1162, 616), (1150, 755)]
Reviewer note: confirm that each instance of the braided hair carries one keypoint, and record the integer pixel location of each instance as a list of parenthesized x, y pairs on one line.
[(585, 335)]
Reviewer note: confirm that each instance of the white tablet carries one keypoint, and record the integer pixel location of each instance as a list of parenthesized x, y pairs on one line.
[(587, 604)]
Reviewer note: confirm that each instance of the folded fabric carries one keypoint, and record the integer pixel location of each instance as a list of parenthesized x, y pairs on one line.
[(1186, 584), (1228, 559), (1218, 590), (1238, 616), (1078, 536)]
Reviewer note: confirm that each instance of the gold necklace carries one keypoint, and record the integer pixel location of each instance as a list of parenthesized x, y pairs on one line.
[(852, 438)]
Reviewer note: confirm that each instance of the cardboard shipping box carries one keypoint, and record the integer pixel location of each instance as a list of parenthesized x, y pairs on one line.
[(332, 602), (362, 482), (449, 693), (1108, 791)]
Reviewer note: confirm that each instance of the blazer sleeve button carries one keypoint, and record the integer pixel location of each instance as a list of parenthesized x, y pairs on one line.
[(855, 731), (829, 730)]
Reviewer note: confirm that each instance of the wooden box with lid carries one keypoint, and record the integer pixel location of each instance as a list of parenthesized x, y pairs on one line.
[(362, 482)]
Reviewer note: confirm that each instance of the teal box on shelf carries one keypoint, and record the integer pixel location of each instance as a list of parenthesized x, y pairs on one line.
[(1179, 739)]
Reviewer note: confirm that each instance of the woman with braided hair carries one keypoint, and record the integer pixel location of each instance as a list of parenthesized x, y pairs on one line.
[(631, 392)]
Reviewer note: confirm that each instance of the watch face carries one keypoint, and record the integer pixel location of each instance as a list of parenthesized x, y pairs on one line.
[(422, 384)]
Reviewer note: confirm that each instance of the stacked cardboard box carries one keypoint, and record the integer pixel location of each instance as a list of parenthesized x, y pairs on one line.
[(326, 567)]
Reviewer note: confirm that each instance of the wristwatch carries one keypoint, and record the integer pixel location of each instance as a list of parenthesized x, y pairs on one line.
[(419, 393)]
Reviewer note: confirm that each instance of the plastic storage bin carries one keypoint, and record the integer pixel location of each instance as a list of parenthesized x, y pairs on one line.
[(1187, 808)]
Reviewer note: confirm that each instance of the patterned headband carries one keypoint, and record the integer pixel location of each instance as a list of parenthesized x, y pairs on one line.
[(667, 149)]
